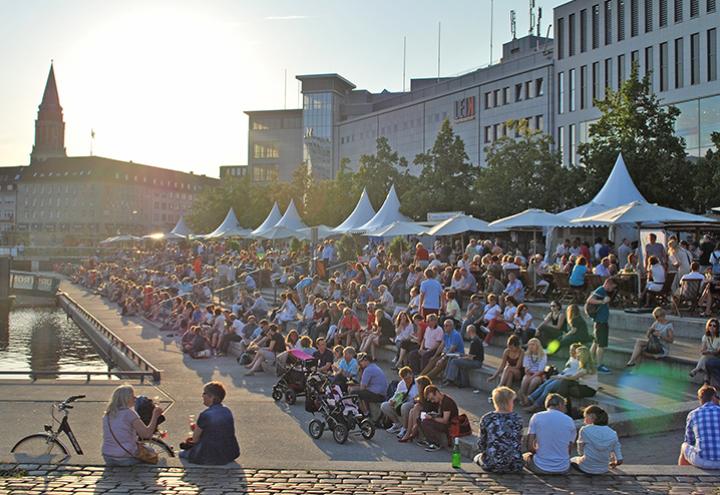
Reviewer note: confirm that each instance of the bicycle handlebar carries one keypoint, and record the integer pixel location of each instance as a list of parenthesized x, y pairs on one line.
[(74, 398)]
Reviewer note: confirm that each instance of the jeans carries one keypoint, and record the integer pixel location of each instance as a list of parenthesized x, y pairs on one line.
[(458, 369), (120, 461), (538, 396)]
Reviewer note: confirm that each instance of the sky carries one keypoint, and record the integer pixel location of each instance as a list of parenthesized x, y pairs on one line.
[(166, 83)]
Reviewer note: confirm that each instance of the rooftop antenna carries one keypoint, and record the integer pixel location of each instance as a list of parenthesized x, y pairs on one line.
[(92, 141), (438, 62), (532, 17), (513, 25), (492, 17), (539, 20), (404, 60), (298, 95)]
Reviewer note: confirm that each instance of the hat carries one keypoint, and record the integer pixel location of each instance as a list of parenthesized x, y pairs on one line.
[(362, 357)]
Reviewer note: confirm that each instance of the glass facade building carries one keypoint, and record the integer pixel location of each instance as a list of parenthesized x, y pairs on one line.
[(318, 123)]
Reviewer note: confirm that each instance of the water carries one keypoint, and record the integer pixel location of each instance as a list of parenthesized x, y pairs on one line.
[(43, 339)]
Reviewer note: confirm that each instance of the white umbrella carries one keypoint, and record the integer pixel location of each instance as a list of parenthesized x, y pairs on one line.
[(532, 218), (638, 213), (398, 229), (459, 224)]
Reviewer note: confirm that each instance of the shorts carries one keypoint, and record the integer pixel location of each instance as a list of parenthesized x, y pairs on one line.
[(690, 454), (602, 332)]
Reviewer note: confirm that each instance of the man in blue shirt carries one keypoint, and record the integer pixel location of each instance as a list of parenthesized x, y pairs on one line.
[(431, 293), (373, 384), (600, 300), (452, 344), (701, 447)]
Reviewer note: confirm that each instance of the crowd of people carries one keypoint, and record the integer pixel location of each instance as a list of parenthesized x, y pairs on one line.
[(427, 304)]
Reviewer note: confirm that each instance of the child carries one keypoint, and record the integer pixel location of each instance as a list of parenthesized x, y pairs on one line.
[(597, 444)]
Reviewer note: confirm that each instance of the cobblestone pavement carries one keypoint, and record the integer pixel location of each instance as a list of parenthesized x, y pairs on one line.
[(34, 479)]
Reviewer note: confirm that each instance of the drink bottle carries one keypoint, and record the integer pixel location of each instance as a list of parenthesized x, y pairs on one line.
[(456, 454)]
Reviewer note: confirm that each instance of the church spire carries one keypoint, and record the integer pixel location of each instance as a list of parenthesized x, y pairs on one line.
[(49, 126)]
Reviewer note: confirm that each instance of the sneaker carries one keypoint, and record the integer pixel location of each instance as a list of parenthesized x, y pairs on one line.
[(604, 369), (422, 443), (394, 428), (432, 447), (402, 432)]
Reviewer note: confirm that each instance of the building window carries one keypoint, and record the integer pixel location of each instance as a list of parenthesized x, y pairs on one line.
[(571, 144), (488, 134), (608, 74), (621, 70), (663, 13), (496, 98), (265, 173), (712, 54), (583, 30), (571, 92), (561, 144), (679, 66), (560, 37), (583, 87), (539, 89), (506, 95), (608, 22), (561, 92), (595, 81), (571, 35), (710, 6), (488, 100), (539, 124), (595, 26), (648, 15), (621, 19), (694, 58), (635, 59), (263, 150), (495, 132), (528, 89), (634, 18), (663, 66), (649, 65), (518, 92), (694, 8), (678, 11)]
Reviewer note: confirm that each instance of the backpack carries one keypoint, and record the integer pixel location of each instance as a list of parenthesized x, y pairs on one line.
[(592, 309)]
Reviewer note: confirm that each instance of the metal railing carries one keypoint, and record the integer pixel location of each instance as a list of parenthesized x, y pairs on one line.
[(34, 375), (146, 368)]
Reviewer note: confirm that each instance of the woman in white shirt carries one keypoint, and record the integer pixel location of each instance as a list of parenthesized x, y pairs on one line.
[(534, 363), (656, 279), (503, 322), (522, 323), (710, 346)]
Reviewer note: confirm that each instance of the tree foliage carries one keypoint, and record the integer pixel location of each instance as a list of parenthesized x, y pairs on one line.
[(525, 173)]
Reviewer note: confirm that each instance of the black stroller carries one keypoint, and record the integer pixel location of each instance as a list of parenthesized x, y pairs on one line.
[(293, 380), (340, 413)]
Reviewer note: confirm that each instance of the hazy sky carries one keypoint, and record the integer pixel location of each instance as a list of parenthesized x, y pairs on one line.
[(166, 82)]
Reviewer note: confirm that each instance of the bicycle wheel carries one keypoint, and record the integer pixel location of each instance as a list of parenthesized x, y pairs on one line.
[(38, 445), (159, 446)]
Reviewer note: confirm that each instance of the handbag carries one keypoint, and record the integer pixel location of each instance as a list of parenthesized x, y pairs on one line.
[(460, 426), (143, 454), (654, 346), (550, 370)]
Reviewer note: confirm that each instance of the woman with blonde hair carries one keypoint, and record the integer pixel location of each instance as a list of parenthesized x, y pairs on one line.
[(422, 404), (656, 343), (122, 428), (583, 381), (500, 442), (534, 363)]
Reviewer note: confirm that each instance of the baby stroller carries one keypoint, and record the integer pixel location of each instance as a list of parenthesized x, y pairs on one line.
[(340, 413), (292, 382)]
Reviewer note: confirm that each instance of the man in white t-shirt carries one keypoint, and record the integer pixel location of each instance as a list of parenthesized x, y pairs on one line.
[(551, 435)]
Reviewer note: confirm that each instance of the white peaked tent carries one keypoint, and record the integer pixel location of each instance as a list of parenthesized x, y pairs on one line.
[(619, 189), (398, 229), (181, 229), (230, 227), (532, 218), (388, 213), (639, 213), (460, 224), (273, 218), (288, 226), (323, 232), (362, 214)]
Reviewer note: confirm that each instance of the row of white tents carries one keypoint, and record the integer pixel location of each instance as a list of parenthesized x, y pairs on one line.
[(618, 204)]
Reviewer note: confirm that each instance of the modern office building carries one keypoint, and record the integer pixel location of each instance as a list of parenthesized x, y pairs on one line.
[(236, 171), (82, 199), (550, 82), (674, 42), (275, 144)]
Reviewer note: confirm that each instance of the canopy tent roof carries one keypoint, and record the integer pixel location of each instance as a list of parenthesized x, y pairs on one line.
[(291, 219), (388, 213), (323, 232), (619, 189), (397, 229), (280, 232), (181, 229), (532, 218), (362, 214), (273, 218), (230, 227), (637, 213), (460, 224)]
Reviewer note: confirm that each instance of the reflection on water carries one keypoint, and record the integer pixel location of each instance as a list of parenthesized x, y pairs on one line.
[(43, 339)]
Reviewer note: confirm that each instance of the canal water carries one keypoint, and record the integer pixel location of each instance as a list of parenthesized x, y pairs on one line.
[(44, 339)]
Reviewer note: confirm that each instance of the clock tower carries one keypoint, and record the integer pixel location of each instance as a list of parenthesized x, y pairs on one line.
[(49, 126)]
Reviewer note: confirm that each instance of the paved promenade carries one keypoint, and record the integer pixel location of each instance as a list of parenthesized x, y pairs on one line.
[(144, 480)]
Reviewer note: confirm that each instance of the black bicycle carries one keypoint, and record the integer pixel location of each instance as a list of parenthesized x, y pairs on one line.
[(48, 444)]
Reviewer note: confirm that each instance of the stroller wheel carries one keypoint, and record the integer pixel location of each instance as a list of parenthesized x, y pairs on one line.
[(340, 433), (316, 428), (367, 429), (290, 396), (277, 394)]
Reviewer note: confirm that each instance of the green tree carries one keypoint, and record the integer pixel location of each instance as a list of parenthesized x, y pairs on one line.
[(524, 173), (378, 172), (634, 122), (446, 174), (706, 175)]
